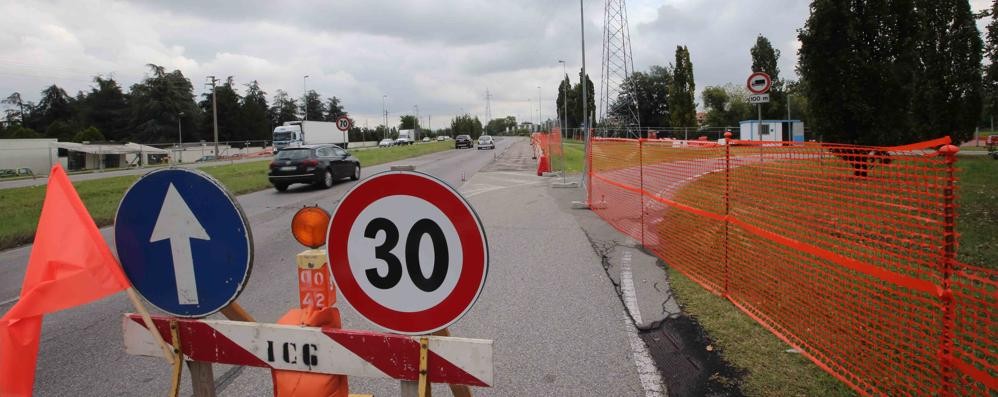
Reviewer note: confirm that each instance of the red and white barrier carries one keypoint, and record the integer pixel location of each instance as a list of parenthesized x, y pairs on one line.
[(318, 350)]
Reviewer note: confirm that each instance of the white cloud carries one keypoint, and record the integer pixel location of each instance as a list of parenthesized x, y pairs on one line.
[(441, 55)]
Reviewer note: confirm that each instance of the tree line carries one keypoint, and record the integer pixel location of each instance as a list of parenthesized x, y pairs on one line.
[(875, 72), (159, 109)]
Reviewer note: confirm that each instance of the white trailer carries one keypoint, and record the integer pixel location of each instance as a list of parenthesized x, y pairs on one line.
[(295, 133), (772, 130)]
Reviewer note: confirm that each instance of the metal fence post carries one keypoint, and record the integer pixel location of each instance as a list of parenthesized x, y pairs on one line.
[(946, 272), (641, 185), (589, 170), (727, 207)]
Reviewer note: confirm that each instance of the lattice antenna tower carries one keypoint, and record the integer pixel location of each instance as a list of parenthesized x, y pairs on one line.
[(488, 106), (618, 65)]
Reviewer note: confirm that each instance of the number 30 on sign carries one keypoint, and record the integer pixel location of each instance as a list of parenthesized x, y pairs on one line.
[(407, 252)]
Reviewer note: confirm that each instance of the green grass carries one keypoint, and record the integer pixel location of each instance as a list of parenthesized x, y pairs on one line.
[(977, 214), (981, 148), (575, 154), (20, 207), (771, 370)]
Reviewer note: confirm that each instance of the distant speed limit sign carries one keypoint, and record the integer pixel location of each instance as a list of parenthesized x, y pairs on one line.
[(407, 252), (343, 123)]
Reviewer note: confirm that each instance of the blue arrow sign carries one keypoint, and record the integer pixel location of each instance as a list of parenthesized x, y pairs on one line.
[(183, 242)]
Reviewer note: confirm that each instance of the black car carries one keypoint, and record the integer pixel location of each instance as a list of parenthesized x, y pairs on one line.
[(315, 164), (463, 141)]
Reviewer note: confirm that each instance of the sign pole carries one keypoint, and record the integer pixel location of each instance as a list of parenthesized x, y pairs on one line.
[(759, 106)]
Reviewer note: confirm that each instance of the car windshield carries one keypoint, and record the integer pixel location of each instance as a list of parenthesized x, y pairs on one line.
[(293, 154), (485, 138), (282, 136), (463, 137)]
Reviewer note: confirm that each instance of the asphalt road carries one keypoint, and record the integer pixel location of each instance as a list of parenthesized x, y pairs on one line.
[(558, 326)]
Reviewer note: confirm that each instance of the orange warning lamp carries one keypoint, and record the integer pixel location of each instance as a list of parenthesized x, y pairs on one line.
[(309, 226)]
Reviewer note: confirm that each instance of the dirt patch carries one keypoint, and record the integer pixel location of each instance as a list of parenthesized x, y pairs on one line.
[(688, 361)]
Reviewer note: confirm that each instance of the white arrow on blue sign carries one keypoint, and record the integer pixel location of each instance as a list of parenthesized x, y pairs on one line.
[(183, 242)]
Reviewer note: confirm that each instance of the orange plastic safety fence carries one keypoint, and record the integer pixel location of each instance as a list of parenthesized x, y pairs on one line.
[(844, 252)]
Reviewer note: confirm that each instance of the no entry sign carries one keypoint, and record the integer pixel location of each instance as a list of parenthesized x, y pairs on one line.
[(407, 252), (759, 83)]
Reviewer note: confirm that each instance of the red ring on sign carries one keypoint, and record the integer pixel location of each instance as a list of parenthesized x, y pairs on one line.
[(769, 83), (469, 230)]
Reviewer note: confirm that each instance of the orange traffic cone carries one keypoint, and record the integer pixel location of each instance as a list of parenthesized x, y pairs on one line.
[(543, 165), (294, 383)]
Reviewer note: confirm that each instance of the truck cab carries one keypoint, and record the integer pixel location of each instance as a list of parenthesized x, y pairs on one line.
[(406, 137), (287, 135)]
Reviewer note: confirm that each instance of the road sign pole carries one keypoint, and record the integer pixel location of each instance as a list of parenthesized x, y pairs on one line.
[(759, 107)]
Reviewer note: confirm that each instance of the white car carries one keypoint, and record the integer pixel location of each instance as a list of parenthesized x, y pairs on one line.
[(386, 143), (441, 138), (486, 142), (426, 139)]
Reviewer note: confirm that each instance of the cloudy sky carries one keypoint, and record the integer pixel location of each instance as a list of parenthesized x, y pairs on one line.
[(440, 55)]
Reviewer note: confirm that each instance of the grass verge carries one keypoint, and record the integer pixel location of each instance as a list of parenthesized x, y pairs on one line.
[(977, 211), (21, 207), (770, 369), (575, 154)]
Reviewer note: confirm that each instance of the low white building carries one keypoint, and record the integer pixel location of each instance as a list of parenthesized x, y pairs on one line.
[(772, 130), (84, 156), (36, 154)]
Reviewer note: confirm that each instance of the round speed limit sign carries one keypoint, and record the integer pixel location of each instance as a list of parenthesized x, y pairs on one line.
[(407, 252)]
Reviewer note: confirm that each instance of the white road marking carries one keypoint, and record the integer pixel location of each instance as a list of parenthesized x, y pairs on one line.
[(627, 287), (651, 379), (491, 188), (11, 300)]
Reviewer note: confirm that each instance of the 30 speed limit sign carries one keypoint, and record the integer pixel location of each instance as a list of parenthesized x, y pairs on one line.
[(407, 252)]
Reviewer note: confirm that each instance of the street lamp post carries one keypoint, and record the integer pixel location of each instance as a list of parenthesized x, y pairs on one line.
[(384, 108), (540, 118), (415, 109), (530, 111), (180, 137), (304, 93), (564, 100), (583, 80)]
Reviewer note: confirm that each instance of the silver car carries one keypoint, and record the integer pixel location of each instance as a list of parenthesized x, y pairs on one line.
[(486, 142)]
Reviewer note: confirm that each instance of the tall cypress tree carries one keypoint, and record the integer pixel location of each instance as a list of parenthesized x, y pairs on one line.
[(682, 108), (991, 71), (947, 95), (891, 71)]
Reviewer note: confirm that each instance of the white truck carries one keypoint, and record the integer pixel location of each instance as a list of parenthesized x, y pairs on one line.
[(406, 137), (296, 133)]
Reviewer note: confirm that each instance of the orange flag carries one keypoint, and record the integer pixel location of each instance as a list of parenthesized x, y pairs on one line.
[(70, 265)]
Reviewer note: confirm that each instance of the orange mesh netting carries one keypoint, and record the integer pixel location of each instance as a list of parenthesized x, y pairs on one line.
[(845, 252)]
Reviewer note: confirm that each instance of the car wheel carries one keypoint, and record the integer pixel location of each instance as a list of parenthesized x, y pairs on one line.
[(327, 179), (281, 187), (356, 172)]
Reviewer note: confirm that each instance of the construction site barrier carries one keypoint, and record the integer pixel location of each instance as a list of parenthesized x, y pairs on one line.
[(847, 253), (548, 149)]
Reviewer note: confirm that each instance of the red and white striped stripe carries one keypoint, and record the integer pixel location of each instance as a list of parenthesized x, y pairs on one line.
[(319, 350)]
